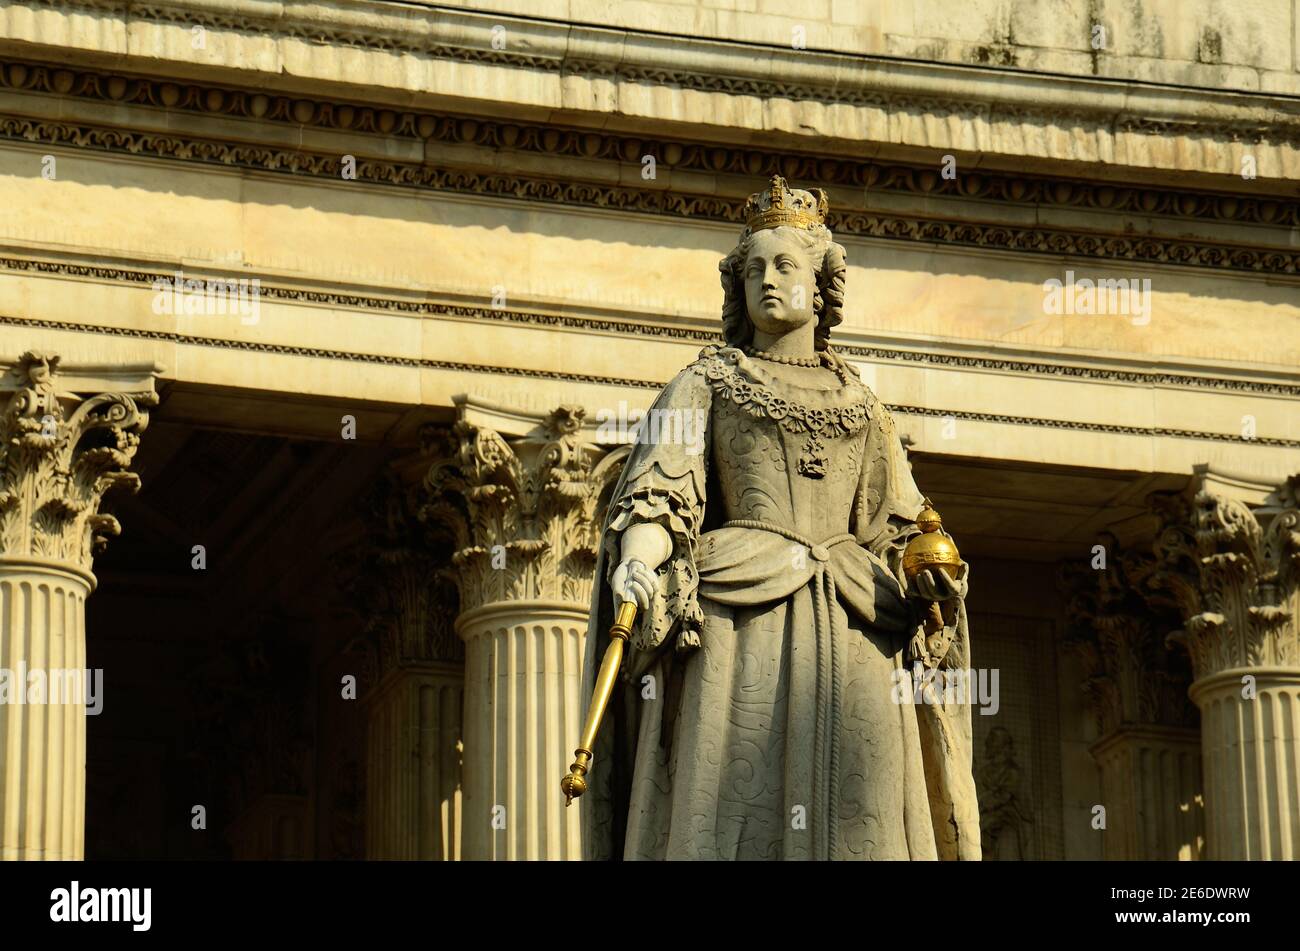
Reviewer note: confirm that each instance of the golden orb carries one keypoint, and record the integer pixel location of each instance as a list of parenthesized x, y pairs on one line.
[(932, 548)]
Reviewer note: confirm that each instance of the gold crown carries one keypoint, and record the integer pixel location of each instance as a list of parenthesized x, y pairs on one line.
[(780, 206)]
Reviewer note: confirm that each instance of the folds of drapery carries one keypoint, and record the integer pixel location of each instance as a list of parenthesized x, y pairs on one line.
[(666, 482)]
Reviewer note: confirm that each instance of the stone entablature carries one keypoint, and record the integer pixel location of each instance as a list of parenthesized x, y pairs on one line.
[(1174, 41), (382, 364), (309, 135)]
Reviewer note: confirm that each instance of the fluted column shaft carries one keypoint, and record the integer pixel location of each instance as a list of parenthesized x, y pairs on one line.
[(523, 671), (414, 804), (1251, 749), (1151, 785), (413, 684), (42, 737), (1148, 754)]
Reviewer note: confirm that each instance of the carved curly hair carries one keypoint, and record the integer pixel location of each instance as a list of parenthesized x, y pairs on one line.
[(828, 300)]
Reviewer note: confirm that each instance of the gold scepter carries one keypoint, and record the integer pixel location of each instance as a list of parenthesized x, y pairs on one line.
[(574, 784)]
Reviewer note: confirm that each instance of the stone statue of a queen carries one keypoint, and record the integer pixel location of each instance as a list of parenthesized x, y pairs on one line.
[(768, 706)]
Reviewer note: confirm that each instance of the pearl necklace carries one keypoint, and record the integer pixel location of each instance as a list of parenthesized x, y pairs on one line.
[(777, 358)]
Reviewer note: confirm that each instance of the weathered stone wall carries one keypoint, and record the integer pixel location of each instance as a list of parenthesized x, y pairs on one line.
[(1212, 43)]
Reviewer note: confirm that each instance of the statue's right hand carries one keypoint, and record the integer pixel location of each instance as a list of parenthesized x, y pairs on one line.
[(633, 581)]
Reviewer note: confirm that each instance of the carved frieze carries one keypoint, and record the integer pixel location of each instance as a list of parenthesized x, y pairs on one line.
[(1036, 239), (710, 158)]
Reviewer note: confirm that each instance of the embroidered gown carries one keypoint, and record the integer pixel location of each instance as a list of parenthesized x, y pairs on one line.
[(758, 717)]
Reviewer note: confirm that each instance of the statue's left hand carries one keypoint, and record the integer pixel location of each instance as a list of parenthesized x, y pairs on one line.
[(934, 584), (930, 643)]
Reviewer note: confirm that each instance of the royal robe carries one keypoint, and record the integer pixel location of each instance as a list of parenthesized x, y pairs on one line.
[(766, 708)]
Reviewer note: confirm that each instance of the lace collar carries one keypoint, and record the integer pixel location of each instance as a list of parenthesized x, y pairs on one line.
[(799, 409)]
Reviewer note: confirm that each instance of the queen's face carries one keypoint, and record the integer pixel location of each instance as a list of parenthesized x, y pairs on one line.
[(780, 282)]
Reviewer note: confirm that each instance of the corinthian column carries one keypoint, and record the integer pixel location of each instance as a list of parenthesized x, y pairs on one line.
[(1148, 747), (1235, 572), (60, 453), (413, 699), (524, 513)]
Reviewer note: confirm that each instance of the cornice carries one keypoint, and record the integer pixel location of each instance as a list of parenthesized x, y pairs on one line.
[(724, 67)]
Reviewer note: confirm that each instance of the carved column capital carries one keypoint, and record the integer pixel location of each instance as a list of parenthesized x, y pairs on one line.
[(523, 510), (59, 453), (399, 582), (1118, 631), (1234, 572)]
